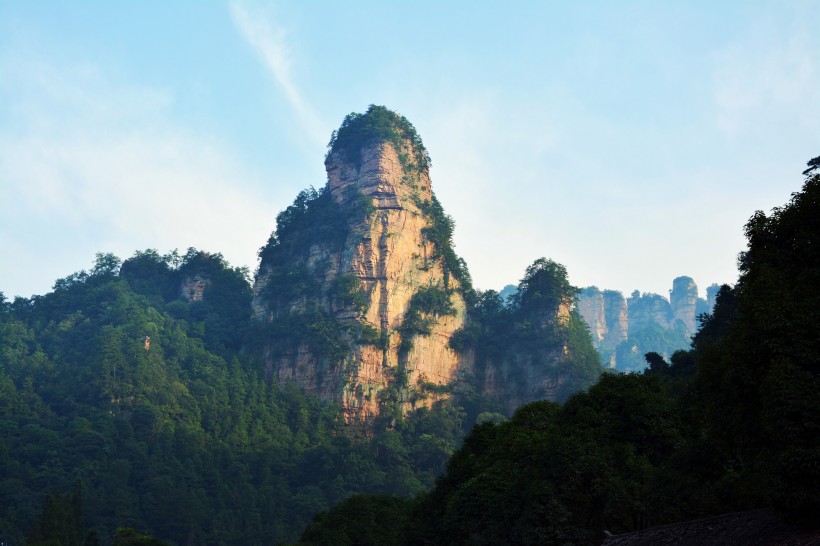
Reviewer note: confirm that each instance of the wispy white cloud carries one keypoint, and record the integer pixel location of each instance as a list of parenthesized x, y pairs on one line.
[(94, 166), (269, 41)]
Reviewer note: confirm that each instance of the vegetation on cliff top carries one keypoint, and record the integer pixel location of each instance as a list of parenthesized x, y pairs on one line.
[(527, 328), (293, 293), (378, 124)]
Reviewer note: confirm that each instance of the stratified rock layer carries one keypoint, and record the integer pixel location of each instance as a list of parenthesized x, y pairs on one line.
[(386, 251)]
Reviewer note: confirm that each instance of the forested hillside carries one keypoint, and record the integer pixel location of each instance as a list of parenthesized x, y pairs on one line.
[(120, 385), (131, 396)]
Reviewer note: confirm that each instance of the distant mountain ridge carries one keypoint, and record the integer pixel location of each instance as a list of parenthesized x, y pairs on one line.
[(625, 329)]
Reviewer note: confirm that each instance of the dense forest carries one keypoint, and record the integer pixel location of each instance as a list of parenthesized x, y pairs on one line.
[(117, 385), (730, 424), (129, 402)]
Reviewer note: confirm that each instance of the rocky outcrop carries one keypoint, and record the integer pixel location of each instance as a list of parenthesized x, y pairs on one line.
[(645, 322), (593, 310), (624, 330), (361, 300), (541, 367), (711, 296), (192, 288), (382, 288), (683, 299), (648, 309), (606, 314), (617, 318)]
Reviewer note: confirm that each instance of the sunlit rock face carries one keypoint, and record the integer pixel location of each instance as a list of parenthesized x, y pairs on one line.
[(388, 257), (617, 318), (359, 293), (592, 309), (607, 316), (684, 301)]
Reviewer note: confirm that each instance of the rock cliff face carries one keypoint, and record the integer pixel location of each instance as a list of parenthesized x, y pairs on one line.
[(617, 318), (539, 372), (605, 312), (624, 330), (684, 300), (711, 296), (379, 299), (361, 300), (648, 309), (592, 309), (192, 288)]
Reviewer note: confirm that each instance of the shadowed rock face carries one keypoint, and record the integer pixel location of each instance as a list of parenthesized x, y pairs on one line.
[(523, 376), (388, 255), (193, 287), (647, 309)]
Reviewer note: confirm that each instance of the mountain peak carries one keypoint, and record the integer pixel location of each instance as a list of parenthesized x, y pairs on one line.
[(359, 285), (378, 125)]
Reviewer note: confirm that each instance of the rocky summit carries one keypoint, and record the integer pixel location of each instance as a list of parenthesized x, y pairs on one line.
[(358, 285), (360, 298)]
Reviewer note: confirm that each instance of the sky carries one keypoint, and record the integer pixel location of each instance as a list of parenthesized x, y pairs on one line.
[(628, 141)]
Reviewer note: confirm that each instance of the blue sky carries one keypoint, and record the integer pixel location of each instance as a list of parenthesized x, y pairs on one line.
[(629, 141)]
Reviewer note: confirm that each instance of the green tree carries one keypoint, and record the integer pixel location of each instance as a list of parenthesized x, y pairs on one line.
[(60, 521), (761, 376), (362, 520)]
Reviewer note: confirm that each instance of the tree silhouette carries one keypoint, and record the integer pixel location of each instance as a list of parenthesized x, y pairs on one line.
[(813, 164)]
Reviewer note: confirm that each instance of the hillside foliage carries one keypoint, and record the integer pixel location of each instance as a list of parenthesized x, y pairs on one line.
[(116, 386), (526, 331), (731, 424)]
